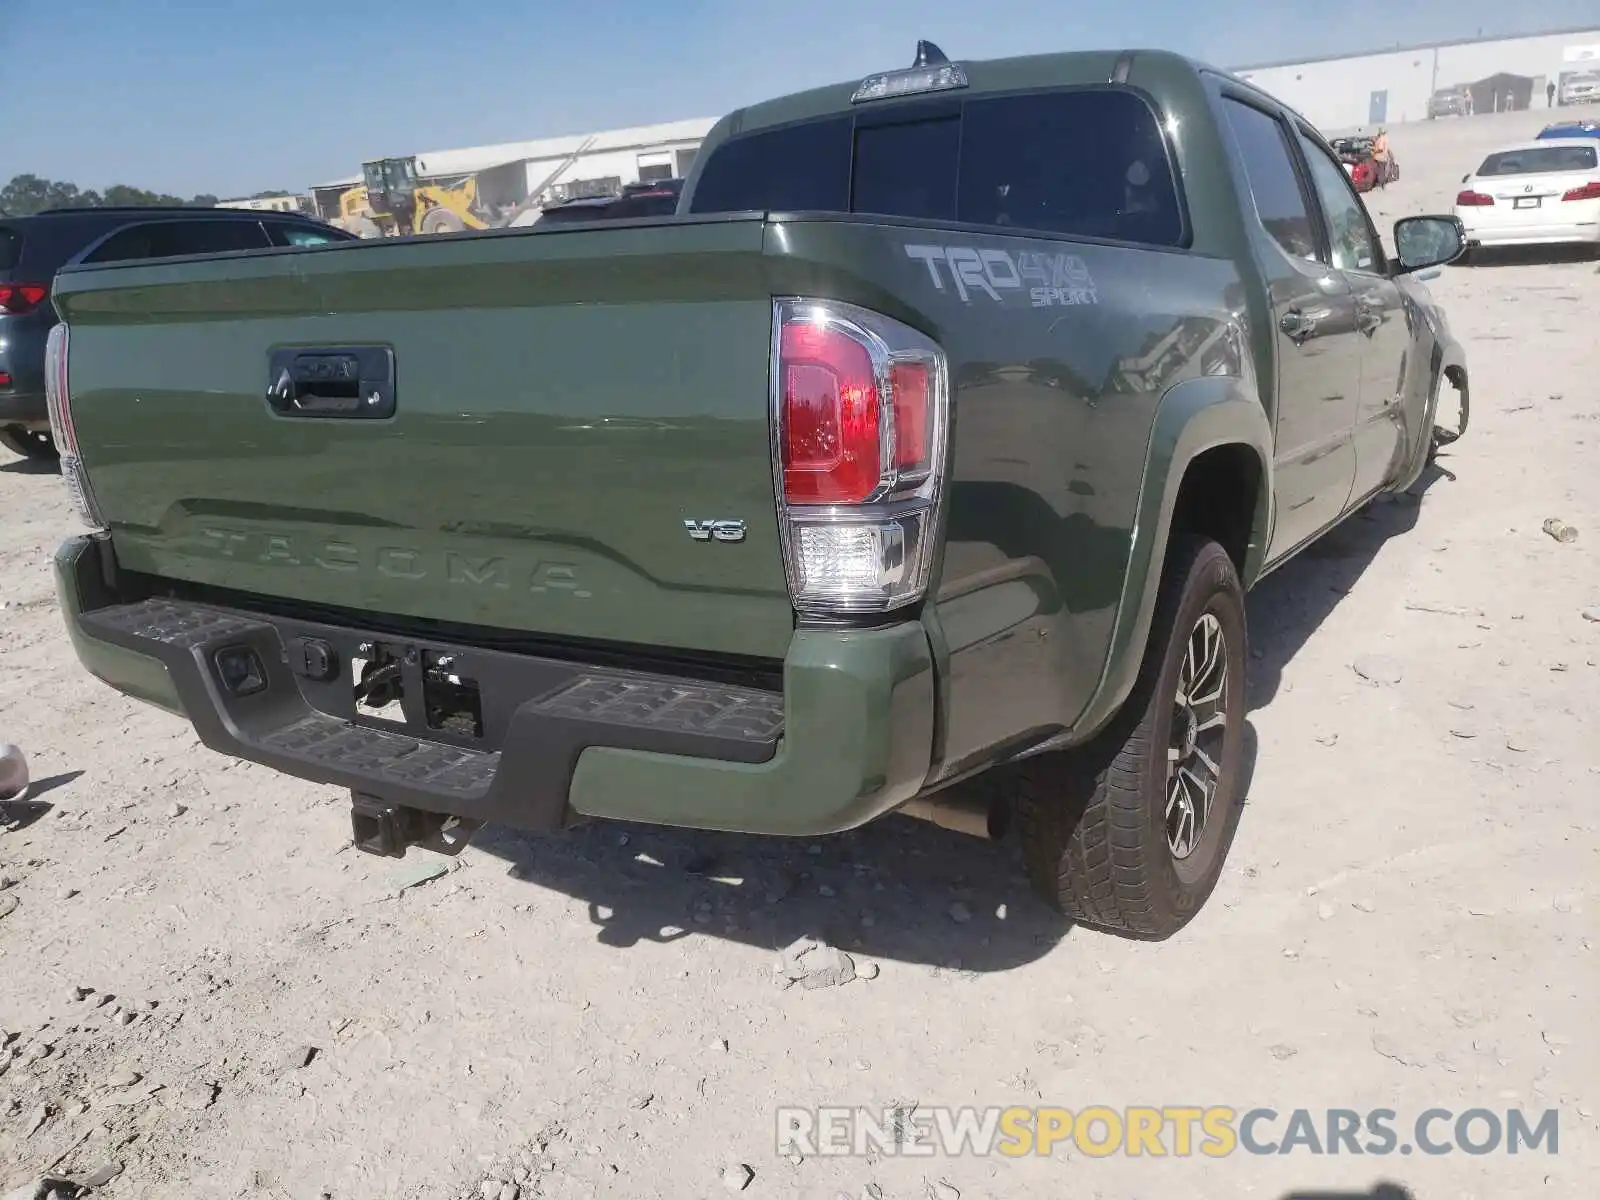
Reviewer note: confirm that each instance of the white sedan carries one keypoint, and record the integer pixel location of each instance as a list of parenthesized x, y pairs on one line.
[(1542, 193)]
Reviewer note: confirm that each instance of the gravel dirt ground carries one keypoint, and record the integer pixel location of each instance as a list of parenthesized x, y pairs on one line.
[(1407, 919)]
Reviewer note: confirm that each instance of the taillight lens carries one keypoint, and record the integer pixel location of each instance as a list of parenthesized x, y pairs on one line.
[(860, 420), (1589, 191), (1470, 199), (832, 416), (19, 298), (58, 404)]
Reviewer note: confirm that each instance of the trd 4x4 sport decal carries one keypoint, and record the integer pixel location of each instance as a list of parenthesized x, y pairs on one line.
[(1049, 279)]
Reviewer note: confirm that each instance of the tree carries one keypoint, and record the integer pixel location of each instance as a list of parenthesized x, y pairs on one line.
[(27, 194)]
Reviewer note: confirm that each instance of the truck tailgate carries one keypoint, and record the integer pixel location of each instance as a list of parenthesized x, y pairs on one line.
[(563, 403)]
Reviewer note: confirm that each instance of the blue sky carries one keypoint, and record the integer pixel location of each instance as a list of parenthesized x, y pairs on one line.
[(233, 96)]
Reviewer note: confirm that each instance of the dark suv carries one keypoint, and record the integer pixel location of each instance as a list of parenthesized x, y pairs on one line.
[(34, 248)]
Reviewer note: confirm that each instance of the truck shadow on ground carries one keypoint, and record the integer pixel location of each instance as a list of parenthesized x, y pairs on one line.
[(31, 466), (898, 889), (1527, 256), (1380, 1191), (1292, 603)]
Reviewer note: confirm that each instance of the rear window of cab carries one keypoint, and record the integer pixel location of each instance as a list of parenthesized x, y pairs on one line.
[(10, 248), (1089, 162)]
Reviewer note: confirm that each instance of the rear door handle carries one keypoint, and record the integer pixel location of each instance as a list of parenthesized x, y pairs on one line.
[(341, 382)]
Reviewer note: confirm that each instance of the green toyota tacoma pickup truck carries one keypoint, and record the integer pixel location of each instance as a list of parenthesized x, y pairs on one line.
[(942, 429)]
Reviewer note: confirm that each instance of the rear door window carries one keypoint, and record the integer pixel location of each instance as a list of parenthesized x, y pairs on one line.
[(1280, 201), (1349, 232), (168, 239), (1091, 163), (210, 237), (1087, 162), (302, 235)]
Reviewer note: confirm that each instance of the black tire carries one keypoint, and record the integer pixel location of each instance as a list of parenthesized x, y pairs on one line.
[(1093, 820), (38, 446)]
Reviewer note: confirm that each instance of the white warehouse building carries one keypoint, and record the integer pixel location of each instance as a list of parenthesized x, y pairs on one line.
[(283, 203), (1393, 86), (556, 168)]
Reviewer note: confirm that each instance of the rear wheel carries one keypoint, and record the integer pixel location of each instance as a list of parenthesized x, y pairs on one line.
[(1129, 833), (36, 444)]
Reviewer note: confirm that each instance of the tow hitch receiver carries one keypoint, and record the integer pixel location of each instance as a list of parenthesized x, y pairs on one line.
[(379, 827)]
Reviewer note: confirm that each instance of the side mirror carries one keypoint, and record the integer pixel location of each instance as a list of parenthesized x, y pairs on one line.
[(1423, 242), (1464, 178)]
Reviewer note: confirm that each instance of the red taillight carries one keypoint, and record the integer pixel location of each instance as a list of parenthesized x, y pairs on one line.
[(913, 395), (1470, 199), (1589, 191), (832, 452), (860, 422), (5, 379), (58, 404), (19, 298), (57, 398)]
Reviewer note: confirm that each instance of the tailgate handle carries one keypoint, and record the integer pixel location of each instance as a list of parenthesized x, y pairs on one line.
[(346, 382)]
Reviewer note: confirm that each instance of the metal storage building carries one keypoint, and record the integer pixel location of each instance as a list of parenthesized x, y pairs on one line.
[(1392, 86)]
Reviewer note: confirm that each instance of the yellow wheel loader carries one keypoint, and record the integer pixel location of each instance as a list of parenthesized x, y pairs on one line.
[(392, 202)]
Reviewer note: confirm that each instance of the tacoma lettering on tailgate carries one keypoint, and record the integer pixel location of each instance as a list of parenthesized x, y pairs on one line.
[(392, 562)]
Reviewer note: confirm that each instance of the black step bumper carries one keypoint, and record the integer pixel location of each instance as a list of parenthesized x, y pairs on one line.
[(849, 737), (545, 713)]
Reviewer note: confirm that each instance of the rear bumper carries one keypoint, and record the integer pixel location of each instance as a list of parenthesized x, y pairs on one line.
[(1554, 234), (850, 737), (22, 358), (21, 407)]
